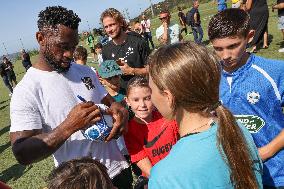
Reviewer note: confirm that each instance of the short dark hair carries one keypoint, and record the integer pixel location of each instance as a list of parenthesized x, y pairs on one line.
[(80, 53), (98, 46), (84, 173), (52, 16), (228, 23)]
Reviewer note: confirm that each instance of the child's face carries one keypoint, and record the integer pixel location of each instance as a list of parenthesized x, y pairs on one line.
[(98, 50), (112, 83), (139, 98), (231, 51)]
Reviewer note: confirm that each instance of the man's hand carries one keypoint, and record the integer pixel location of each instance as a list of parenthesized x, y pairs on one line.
[(82, 115), (126, 70), (120, 120), (273, 8)]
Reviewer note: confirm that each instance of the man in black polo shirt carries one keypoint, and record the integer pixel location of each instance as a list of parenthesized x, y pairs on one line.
[(130, 50)]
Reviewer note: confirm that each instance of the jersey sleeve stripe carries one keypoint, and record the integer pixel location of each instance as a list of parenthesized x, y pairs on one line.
[(267, 76)]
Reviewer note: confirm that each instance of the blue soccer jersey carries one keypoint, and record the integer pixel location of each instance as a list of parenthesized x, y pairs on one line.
[(254, 93)]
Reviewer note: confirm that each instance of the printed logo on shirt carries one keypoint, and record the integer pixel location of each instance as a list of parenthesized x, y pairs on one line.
[(253, 97), (251, 122), (88, 83), (161, 150), (152, 142)]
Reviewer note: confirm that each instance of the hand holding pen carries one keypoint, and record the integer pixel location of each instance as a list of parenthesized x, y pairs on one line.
[(120, 119), (83, 115)]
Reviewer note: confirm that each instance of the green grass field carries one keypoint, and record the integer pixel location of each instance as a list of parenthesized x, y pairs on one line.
[(21, 177)]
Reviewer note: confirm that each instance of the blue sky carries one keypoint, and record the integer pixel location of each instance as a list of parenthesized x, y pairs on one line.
[(18, 18)]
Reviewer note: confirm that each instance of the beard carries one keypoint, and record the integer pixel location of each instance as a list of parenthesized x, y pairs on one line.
[(56, 65)]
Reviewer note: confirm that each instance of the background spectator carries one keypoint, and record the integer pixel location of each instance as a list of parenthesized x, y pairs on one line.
[(258, 11), (5, 78), (8, 67), (193, 20), (182, 20), (146, 26), (26, 60), (280, 7), (167, 33), (130, 50)]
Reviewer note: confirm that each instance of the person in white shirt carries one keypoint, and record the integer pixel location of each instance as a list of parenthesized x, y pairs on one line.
[(167, 33), (98, 51), (47, 112), (146, 27)]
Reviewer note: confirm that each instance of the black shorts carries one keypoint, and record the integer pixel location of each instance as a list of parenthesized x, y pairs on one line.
[(124, 179)]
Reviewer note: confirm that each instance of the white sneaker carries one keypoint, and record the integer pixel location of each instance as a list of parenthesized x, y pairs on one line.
[(281, 50)]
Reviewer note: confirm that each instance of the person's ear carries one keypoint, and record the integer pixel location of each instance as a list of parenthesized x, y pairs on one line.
[(250, 36), (40, 38), (127, 101), (169, 98)]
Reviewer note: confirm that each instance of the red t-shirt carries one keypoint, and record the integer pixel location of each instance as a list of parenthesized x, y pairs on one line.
[(153, 140)]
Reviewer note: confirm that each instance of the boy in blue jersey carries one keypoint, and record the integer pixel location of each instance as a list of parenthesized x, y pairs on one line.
[(252, 88)]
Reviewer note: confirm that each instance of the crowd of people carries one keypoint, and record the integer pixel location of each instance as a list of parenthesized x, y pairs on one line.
[(184, 116)]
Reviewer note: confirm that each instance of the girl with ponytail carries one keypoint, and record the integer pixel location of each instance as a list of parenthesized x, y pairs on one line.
[(214, 150)]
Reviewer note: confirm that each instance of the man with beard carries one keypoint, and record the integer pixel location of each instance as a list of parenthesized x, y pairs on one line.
[(47, 115), (130, 50)]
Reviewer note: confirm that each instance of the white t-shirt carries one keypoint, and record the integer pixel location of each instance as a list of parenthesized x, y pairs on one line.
[(146, 25), (173, 33), (42, 100), (100, 59)]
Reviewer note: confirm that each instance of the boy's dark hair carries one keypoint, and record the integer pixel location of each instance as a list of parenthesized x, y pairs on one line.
[(137, 81), (98, 46), (84, 173), (228, 23), (80, 53), (52, 16)]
